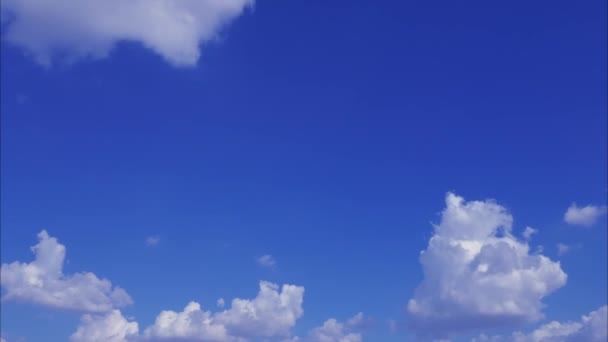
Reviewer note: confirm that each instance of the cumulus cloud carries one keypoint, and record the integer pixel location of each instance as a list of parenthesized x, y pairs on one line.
[(111, 327), (583, 216), (590, 328), (335, 331), (175, 29), (477, 274), (42, 282), (272, 314), (266, 261)]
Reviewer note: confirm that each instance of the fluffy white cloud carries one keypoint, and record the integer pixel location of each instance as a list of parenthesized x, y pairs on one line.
[(266, 261), (583, 216), (272, 313), (477, 274), (111, 327), (175, 29), (591, 328), (335, 331), (270, 316), (42, 282)]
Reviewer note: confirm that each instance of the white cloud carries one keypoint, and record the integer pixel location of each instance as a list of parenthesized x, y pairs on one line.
[(272, 314), (563, 249), (266, 261), (111, 327), (528, 232), (42, 282), (335, 331), (152, 241), (175, 29), (583, 216), (477, 274), (591, 328), (220, 303)]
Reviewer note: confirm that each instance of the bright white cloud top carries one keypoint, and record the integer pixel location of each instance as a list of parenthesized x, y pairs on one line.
[(112, 327), (270, 316), (583, 216), (273, 313), (175, 29), (334, 331), (477, 274), (42, 282), (591, 328)]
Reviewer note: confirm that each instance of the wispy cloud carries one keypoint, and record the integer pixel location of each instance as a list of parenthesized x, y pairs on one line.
[(266, 261), (152, 241), (590, 328), (563, 249), (528, 232)]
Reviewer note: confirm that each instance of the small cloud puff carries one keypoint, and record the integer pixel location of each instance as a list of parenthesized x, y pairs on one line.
[(583, 216), (266, 261), (528, 232), (152, 241), (42, 282), (563, 249), (477, 274)]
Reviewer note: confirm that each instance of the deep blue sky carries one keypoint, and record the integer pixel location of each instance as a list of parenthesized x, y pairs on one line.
[(323, 133)]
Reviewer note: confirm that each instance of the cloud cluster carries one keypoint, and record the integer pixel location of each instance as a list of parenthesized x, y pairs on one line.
[(591, 328), (270, 316), (583, 216), (111, 327), (273, 313), (175, 29), (42, 282), (477, 274)]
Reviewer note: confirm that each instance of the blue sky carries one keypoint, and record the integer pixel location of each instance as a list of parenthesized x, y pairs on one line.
[(324, 136)]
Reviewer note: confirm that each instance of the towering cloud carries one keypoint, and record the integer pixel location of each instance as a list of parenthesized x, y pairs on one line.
[(477, 274)]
